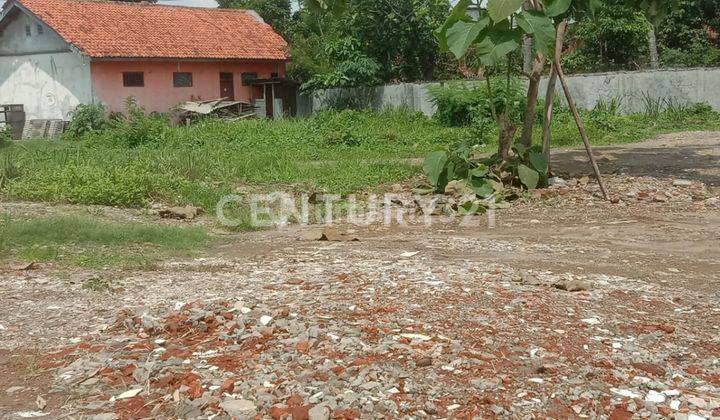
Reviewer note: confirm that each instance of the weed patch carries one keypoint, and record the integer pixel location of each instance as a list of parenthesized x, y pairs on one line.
[(93, 243), (137, 160)]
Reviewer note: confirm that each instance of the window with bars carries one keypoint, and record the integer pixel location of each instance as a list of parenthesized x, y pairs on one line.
[(133, 79), (182, 79)]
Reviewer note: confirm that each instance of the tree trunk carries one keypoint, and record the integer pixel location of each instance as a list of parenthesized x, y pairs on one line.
[(550, 93), (548, 113), (527, 44), (507, 133), (529, 117), (652, 43), (527, 54)]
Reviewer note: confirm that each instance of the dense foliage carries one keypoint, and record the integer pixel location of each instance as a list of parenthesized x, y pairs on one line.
[(366, 42), (362, 43), (617, 38), (276, 13)]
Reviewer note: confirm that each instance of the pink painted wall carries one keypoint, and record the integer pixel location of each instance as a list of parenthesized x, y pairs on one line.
[(158, 94)]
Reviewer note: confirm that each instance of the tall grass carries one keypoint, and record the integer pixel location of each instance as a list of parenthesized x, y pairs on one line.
[(338, 152)]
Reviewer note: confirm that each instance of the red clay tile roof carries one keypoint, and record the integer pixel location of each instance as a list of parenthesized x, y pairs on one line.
[(103, 29)]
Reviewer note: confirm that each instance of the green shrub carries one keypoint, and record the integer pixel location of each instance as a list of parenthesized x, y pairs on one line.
[(9, 169), (457, 102), (5, 135), (87, 118), (463, 104), (135, 129), (606, 115)]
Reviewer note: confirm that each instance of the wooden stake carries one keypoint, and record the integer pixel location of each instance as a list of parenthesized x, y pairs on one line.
[(580, 125)]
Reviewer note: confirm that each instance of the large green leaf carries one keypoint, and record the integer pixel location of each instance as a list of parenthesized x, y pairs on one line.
[(556, 7), (539, 162), (594, 6), (540, 27), (480, 171), (462, 34), (529, 177), (498, 42), (482, 187), (499, 10), (434, 166), (458, 14)]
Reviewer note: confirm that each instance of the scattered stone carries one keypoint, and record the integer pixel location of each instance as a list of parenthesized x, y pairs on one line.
[(682, 183), (129, 394), (40, 402), (22, 266), (180, 213), (424, 362), (655, 397), (319, 412), (329, 234), (240, 409), (557, 182), (409, 254), (420, 337), (573, 285)]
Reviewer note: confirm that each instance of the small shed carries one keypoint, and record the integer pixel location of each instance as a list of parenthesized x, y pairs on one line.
[(275, 97)]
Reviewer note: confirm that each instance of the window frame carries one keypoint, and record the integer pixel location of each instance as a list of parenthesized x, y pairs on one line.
[(175, 80), (127, 74), (245, 77)]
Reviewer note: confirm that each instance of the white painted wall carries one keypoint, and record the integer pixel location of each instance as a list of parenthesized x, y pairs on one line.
[(49, 86), (14, 39), (39, 71), (629, 88)]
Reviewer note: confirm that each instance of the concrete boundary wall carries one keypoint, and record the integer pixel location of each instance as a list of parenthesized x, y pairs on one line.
[(631, 89)]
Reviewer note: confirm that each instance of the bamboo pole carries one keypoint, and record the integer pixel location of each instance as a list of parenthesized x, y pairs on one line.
[(581, 126)]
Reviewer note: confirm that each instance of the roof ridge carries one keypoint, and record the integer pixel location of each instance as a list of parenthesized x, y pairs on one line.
[(148, 4), (106, 29)]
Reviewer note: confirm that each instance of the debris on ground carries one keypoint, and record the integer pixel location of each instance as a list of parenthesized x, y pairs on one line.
[(180, 213), (589, 310), (222, 108)]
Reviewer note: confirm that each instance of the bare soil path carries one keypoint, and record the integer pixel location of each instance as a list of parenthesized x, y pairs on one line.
[(409, 321)]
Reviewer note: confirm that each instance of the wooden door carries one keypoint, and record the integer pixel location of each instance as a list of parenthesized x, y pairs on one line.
[(227, 86)]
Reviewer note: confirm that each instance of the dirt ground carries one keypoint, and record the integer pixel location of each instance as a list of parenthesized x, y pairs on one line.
[(568, 306)]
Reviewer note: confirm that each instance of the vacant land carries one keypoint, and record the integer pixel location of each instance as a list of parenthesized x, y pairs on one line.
[(570, 307)]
